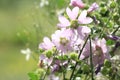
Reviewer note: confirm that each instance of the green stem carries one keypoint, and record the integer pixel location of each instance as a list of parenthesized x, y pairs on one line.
[(105, 26), (46, 73), (91, 63), (86, 77), (116, 30), (63, 75), (78, 58)]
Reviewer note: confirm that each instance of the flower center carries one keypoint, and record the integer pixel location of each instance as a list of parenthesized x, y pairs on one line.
[(63, 41), (98, 51), (74, 24)]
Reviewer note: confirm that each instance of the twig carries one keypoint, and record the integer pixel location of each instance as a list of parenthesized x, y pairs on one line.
[(91, 63), (116, 30), (78, 58)]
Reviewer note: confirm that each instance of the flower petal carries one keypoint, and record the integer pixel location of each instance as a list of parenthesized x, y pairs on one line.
[(83, 19), (72, 14), (63, 21)]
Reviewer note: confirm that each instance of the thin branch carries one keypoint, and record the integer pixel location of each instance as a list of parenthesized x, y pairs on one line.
[(78, 58), (91, 62)]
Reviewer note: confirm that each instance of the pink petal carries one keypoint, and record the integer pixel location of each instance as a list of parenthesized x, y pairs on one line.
[(75, 12), (93, 7), (42, 57), (63, 21), (83, 19), (77, 3), (83, 31), (47, 44), (72, 14)]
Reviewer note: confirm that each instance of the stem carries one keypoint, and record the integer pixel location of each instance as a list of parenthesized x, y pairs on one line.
[(105, 26), (63, 68), (46, 73), (91, 63), (86, 77), (63, 75), (116, 30), (78, 58)]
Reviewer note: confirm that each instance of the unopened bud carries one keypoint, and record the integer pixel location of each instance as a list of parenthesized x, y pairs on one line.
[(48, 53), (102, 4), (85, 68), (103, 10), (112, 4), (107, 63), (116, 16), (73, 56)]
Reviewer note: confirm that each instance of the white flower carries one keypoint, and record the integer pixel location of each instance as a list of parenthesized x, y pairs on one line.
[(78, 78), (53, 77), (27, 52), (60, 12), (43, 3)]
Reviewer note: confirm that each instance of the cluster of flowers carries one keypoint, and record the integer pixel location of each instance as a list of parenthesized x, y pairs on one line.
[(72, 37)]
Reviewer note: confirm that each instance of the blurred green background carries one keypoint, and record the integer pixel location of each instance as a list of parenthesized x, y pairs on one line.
[(18, 20)]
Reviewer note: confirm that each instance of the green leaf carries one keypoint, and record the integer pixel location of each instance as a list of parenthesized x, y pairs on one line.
[(33, 76), (110, 42)]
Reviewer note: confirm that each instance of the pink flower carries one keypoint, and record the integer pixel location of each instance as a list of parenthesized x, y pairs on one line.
[(64, 22), (83, 31), (47, 61), (72, 13), (83, 19), (77, 3), (86, 50), (62, 39), (53, 77), (47, 44), (101, 52), (93, 7)]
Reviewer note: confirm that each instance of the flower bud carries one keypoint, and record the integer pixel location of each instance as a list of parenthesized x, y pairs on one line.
[(77, 3), (63, 57), (73, 56), (116, 16), (104, 70), (48, 53), (107, 63), (41, 50), (103, 10), (85, 68), (118, 21), (102, 4), (112, 4), (54, 50)]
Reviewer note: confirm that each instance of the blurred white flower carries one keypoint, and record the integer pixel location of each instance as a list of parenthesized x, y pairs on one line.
[(27, 52), (43, 3), (99, 76), (78, 78), (53, 77), (60, 12), (116, 57)]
